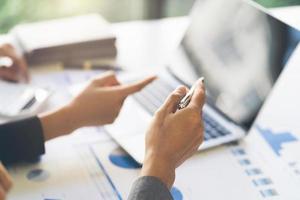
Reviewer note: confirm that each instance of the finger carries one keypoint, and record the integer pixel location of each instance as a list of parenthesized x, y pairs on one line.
[(106, 79), (134, 87), (2, 193), (198, 98), (19, 63), (8, 50), (172, 101), (5, 179), (5, 49)]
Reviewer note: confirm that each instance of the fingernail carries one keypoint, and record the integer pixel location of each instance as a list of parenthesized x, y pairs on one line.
[(202, 80)]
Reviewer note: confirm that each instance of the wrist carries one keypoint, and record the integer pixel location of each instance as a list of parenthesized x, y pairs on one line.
[(160, 168), (58, 123)]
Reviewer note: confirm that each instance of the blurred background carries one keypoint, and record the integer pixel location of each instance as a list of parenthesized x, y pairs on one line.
[(19, 11), (278, 3)]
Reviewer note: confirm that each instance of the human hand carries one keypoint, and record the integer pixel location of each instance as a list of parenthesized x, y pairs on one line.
[(101, 101), (98, 104), (5, 182), (174, 135), (17, 71)]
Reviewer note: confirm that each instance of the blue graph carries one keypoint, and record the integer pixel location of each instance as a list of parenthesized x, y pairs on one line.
[(176, 194), (121, 159), (275, 140)]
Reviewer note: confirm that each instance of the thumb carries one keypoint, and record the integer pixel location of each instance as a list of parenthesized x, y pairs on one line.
[(171, 103), (134, 87)]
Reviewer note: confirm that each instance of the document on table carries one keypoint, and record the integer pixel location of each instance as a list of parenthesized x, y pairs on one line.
[(264, 165), (69, 171)]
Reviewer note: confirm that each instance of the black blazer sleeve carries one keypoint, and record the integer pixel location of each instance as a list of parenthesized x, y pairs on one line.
[(21, 140)]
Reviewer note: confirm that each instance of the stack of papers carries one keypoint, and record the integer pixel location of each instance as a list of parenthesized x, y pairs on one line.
[(64, 40)]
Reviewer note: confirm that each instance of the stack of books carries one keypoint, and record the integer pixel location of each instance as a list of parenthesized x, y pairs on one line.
[(68, 40)]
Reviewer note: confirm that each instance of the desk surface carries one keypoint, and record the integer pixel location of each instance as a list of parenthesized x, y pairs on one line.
[(203, 174)]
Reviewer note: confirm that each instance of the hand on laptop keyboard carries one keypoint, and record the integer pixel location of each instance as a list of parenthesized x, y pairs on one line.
[(174, 135), (12, 66)]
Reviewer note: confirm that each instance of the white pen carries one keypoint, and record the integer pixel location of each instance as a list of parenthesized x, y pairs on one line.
[(184, 102)]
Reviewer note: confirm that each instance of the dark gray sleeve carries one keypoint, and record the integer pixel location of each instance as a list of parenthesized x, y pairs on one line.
[(21, 140), (149, 188)]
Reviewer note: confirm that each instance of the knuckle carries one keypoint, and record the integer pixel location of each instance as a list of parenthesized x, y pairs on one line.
[(201, 92), (6, 46), (175, 95), (159, 112), (94, 80)]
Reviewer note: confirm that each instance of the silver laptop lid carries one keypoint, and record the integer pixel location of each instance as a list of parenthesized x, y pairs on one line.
[(240, 50)]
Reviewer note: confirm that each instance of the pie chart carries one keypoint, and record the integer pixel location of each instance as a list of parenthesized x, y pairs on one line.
[(120, 158), (176, 194), (38, 175)]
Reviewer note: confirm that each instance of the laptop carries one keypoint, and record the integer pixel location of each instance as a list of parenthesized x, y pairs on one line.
[(239, 49)]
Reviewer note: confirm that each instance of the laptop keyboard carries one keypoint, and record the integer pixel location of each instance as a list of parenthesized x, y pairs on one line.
[(212, 128), (154, 95)]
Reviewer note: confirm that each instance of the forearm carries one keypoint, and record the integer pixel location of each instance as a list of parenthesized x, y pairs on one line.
[(58, 123), (160, 168), (157, 178)]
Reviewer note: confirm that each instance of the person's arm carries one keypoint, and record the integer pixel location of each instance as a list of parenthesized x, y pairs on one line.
[(98, 104), (173, 137)]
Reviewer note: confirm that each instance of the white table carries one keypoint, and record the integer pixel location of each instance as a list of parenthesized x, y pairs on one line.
[(148, 46)]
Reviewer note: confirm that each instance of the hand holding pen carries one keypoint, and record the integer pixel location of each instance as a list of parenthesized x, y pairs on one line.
[(174, 134)]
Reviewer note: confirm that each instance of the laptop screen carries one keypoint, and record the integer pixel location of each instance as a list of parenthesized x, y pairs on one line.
[(240, 51)]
